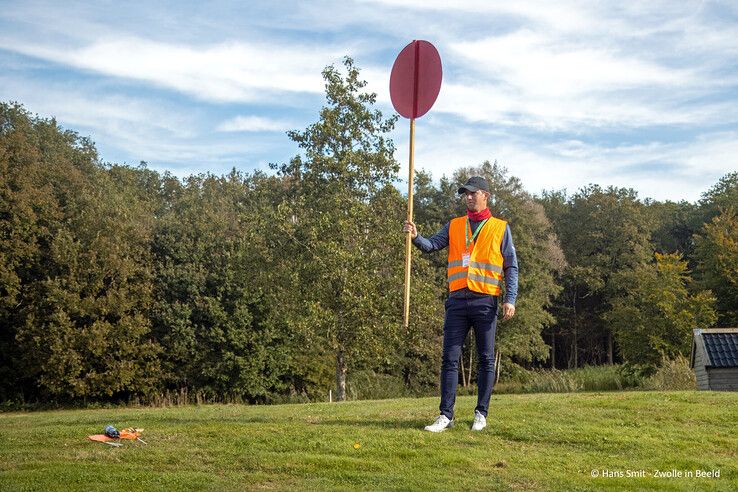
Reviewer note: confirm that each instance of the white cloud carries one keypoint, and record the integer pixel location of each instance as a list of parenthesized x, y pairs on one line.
[(137, 127), (502, 106), (253, 124), (88, 106), (577, 66), (540, 81), (227, 72), (561, 15), (537, 65), (659, 170)]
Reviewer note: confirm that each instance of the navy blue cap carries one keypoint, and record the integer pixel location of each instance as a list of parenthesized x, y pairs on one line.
[(473, 184)]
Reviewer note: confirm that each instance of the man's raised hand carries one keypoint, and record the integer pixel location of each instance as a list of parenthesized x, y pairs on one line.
[(410, 227)]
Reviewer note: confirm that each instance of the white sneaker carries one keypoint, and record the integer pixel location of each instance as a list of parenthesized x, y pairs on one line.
[(480, 422), (441, 424)]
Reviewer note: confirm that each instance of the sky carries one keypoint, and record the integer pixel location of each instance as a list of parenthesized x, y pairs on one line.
[(641, 95)]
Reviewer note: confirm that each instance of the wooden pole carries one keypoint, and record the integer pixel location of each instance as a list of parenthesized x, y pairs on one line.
[(408, 238)]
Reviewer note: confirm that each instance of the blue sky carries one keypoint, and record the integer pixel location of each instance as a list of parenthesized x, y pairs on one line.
[(566, 93)]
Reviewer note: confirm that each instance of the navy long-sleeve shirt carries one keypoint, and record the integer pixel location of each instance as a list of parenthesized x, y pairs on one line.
[(439, 240)]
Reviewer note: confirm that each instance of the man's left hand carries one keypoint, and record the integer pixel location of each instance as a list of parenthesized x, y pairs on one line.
[(508, 311)]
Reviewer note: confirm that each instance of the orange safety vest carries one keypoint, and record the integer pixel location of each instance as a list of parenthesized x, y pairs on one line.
[(484, 272)]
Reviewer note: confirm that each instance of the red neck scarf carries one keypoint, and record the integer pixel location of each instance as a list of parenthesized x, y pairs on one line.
[(479, 216)]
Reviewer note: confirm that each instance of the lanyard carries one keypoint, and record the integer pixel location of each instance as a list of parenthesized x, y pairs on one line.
[(474, 236)]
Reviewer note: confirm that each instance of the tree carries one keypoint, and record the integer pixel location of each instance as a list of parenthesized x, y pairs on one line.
[(77, 268), (217, 289), (717, 263), (347, 163), (674, 224), (602, 232), (723, 195), (653, 321)]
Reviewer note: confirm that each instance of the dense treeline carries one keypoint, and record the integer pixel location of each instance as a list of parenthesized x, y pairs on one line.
[(641, 274), (120, 283)]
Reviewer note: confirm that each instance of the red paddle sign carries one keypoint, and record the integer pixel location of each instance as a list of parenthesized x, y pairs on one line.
[(414, 86), (416, 79)]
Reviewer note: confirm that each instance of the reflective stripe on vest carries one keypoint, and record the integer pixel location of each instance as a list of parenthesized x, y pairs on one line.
[(476, 264), (484, 273)]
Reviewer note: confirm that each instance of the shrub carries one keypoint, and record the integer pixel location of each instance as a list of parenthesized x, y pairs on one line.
[(674, 374), (587, 378), (370, 385), (551, 381), (634, 375), (603, 378)]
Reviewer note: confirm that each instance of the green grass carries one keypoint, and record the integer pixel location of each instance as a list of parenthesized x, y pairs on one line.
[(534, 441)]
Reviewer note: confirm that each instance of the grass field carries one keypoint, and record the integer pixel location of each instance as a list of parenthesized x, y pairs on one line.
[(533, 442)]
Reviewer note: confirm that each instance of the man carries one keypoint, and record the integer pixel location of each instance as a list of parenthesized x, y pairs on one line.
[(480, 250)]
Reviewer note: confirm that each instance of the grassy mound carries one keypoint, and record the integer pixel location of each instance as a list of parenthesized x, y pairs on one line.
[(533, 441)]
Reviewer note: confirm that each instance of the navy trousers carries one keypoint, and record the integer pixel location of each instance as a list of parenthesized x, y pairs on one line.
[(461, 314)]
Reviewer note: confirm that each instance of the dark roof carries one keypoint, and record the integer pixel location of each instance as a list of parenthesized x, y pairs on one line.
[(722, 348)]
